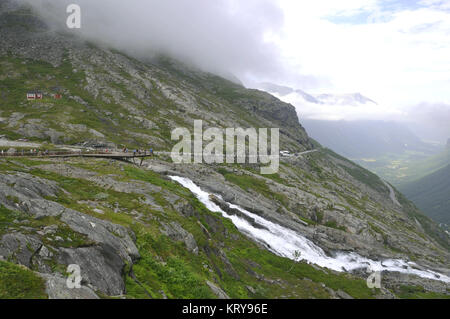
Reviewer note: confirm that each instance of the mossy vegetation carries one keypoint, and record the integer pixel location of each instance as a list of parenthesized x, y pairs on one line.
[(18, 282), (415, 292)]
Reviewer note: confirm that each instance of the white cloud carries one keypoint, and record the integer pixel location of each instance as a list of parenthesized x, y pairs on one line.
[(397, 58), (334, 112)]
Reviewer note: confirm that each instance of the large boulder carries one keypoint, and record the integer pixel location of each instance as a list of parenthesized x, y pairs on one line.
[(178, 233), (104, 232), (101, 267)]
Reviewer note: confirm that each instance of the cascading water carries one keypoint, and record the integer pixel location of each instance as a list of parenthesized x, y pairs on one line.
[(285, 242)]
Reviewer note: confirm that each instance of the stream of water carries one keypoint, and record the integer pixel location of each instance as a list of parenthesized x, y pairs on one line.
[(286, 242)]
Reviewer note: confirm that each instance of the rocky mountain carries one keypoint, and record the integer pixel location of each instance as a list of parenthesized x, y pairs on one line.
[(166, 230), (350, 99)]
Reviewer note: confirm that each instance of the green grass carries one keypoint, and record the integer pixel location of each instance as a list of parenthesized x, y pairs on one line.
[(6, 219), (17, 282), (178, 276), (277, 267), (333, 224), (415, 292), (259, 185)]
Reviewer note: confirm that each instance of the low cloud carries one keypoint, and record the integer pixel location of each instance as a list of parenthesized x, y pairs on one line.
[(336, 112), (221, 36), (432, 120)]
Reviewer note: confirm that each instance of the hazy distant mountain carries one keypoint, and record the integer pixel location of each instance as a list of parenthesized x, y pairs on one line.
[(351, 99), (365, 138)]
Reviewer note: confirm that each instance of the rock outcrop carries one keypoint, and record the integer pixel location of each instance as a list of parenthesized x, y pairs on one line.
[(110, 247)]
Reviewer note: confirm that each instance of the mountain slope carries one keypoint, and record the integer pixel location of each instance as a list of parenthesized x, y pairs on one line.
[(154, 238), (119, 96), (423, 168), (432, 194)]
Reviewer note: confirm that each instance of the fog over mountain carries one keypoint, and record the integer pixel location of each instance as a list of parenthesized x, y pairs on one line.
[(431, 121), (316, 49), (222, 36)]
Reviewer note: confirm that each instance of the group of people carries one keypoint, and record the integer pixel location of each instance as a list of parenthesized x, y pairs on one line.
[(139, 151)]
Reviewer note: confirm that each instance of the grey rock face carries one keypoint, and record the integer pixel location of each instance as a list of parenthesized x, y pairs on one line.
[(184, 208), (15, 118), (231, 211), (343, 295), (102, 231), (178, 233), (20, 248), (217, 290), (101, 267), (35, 128), (102, 264), (25, 192), (394, 280)]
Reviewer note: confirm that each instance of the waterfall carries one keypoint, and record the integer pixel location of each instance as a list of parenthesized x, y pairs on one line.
[(286, 242)]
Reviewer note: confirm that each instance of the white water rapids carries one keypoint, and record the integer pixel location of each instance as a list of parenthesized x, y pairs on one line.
[(285, 242)]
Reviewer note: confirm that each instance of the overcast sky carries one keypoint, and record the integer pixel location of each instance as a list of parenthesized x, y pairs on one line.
[(396, 52)]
